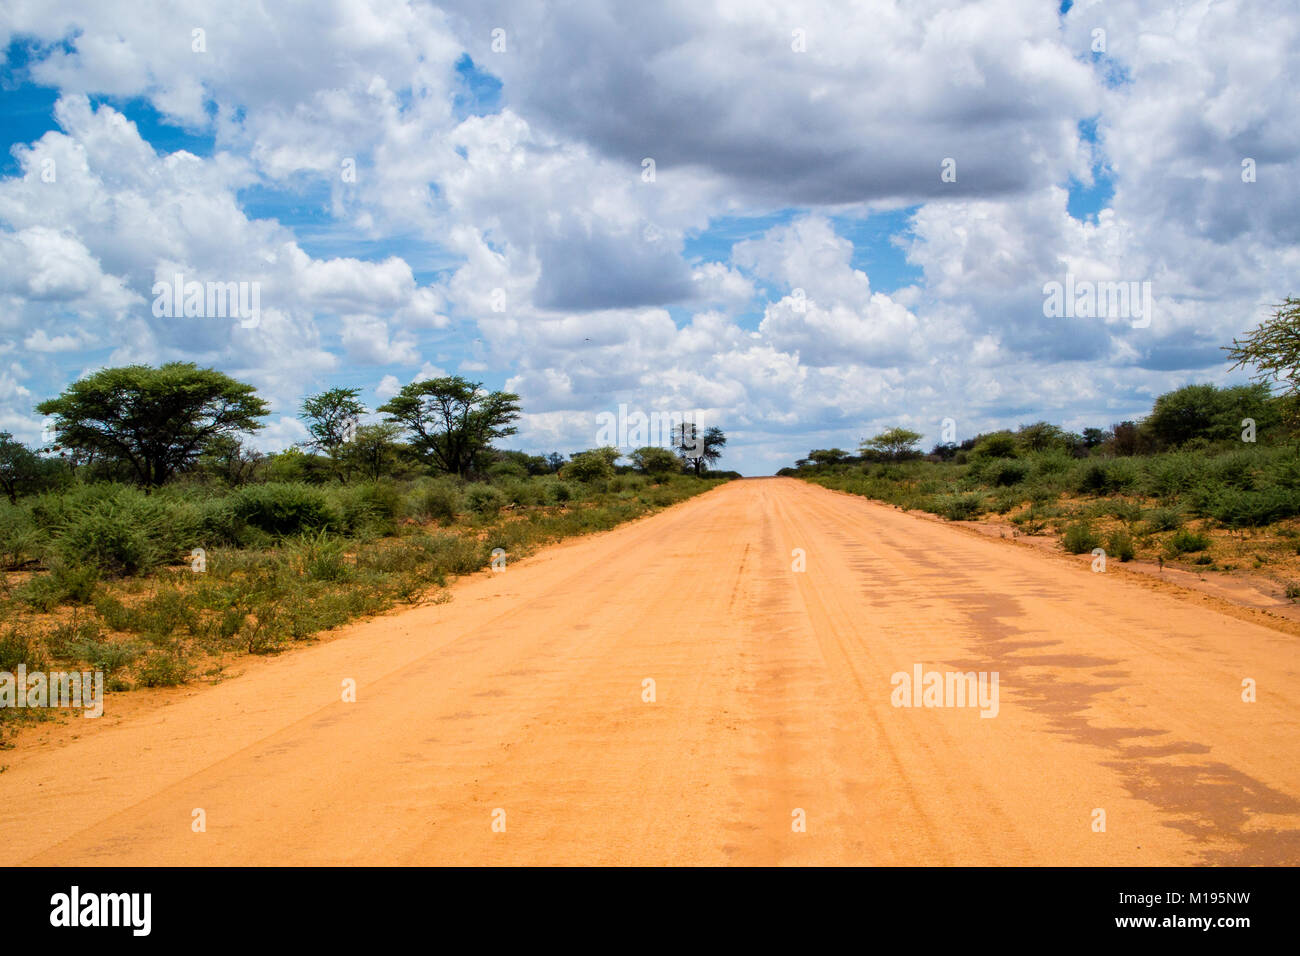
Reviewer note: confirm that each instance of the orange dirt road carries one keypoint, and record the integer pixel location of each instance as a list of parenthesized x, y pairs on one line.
[(772, 695)]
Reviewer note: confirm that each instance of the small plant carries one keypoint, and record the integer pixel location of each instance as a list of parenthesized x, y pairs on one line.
[(1292, 591), (163, 669), (437, 501), (1164, 519), (484, 500), (1079, 538), (1187, 542), (64, 584), (116, 615), (320, 557), (960, 507), (19, 647), (1120, 545)]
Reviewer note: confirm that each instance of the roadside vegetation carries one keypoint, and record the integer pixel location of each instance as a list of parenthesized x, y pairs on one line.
[(150, 543), (1210, 479)]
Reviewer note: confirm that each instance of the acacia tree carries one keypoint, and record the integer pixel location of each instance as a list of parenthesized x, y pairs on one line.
[(698, 451), (1274, 351), (373, 450), (227, 457), (894, 444), (332, 418), (156, 420), (20, 467), (827, 456), (450, 420)]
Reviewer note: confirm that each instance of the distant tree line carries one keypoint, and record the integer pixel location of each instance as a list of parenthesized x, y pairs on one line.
[(149, 425), (1188, 418)]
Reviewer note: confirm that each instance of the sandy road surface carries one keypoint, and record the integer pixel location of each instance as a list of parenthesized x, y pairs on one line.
[(773, 694)]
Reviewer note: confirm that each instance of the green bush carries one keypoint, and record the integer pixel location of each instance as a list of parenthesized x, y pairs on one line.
[(20, 540), (960, 507), (1004, 472), (436, 500), (369, 507), (64, 584), (589, 466), (124, 531), (1127, 511), (167, 612), (1252, 509), (1120, 545), (1106, 477), (484, 500), (115, 615), (163, 669), (1165, 476), (320, 557), (1187, 542), (107, 656), (282, 508), (1079, 538), (19, 647), (1163, 519)]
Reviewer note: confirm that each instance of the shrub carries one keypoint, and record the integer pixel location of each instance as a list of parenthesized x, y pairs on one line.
[(124, 531), (589, 466), (164, 614), (64, 584), (960, 507), (106, 656), (1051, 463), (163, 669), (1120, 545), (1252, 509), (1001, 444), (1103, 477), (1005, 472), (320, 557), (20, 540), (115, 615), (19, 647), (484, 500), (1165, 476), (368, 507), (1164, 519), (435, 501), (1187, 542), (281, 508), (1079, 538), (1126, 511)]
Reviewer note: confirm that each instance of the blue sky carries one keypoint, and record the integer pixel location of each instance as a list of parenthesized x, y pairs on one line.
[(798, 270)]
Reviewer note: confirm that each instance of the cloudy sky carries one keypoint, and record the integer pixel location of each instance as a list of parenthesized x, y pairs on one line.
[(808, 221)]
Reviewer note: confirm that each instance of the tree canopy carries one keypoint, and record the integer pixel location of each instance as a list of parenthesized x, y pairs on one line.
[(698, 451), (332, 417), (21, 469), (451, 420), (893, 443), (155, 420), (1207, 412)]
